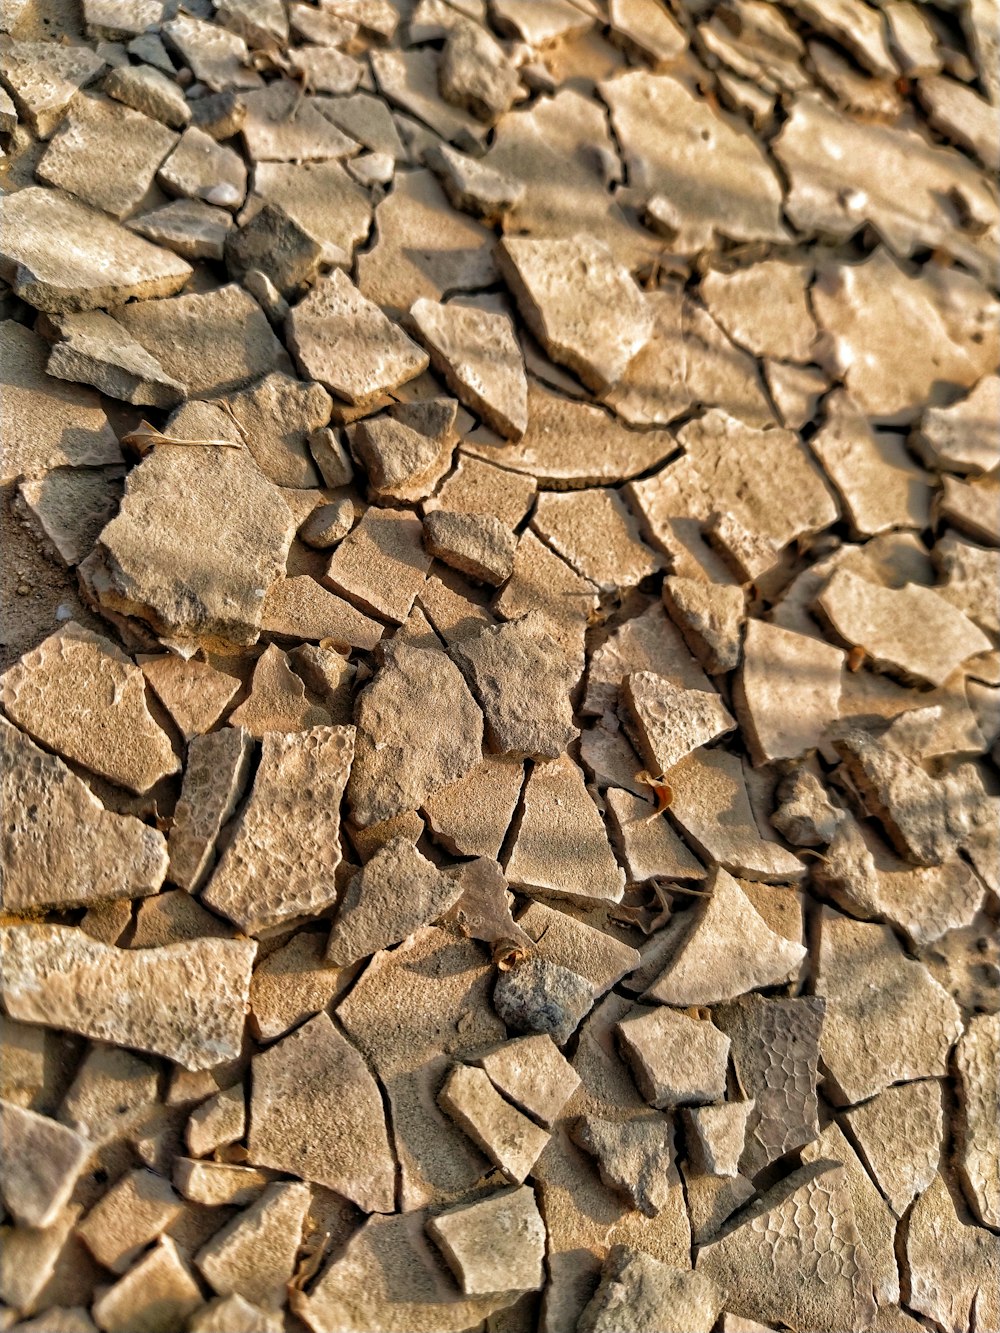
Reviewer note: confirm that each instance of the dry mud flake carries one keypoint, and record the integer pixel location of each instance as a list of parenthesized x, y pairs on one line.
[(153, 562), (666, 722), (644, 1295), (69, 850), (954, 1269), (42, 1160), (186, 1002), (285, 848), (316, 1112), (215, 777), (978, 1062), (79, 694), (787, 692), (428, 750)]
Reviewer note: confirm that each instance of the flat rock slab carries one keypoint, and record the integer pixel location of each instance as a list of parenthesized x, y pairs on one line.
[(977, 1058), (765, 479), (69, 850), (477, 352), (254, 1254), (46, 423), (788, 691), (595, 533), (185, 1002), (666, 722), (42, 1160), (215, 777), (724, 925), (562, 847), (494, 1244), (346, 343), (281, 861), (911, 632), (193, 693), (381, 564), (887, 1020), (157, 565), (709, 166), (95, 349), (104, 265), (639, 1292), (899, 1132), (44, 77), (396, 893), (581, 304), (676, 1060), (508, 1138), (78, 693)]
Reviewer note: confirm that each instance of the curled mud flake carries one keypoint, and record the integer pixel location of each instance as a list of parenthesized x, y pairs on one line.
[(661, 788)]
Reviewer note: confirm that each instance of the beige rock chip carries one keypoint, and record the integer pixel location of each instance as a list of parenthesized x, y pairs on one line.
[(532, 1073), (925, 901), (509, 1139), (542, 582), (229, 1312), (137, 1209), (189, 227), (216, 1122), (711, 168), (341, 339), (780, 496), (899, 1134), (322, 198), (471, 817), (688, 360), (218, 57), (482, 911), (676, 1060), (411, 1012), (477, 545), (112, 1094), (787, 692), (646, 844), (194, 693), (219, 1184), (954, 1273), (796, 1255), (276, 417), (717, 1135), (764, 308), (44, 77), (646, 1296), (407, 451), (294, 983), (105, 264), (60, 846), (962, 438), (712, 808), (977, 1059), (495, 1244), (887, 1019), (971, 507), (185, 1002), (299, 608), (795, 391), (522, 678), (211, 341), (635, 1157), (642, 25), (472, 187), (281, 860), (215, 777), (579, 302), (42, 1160), (570, 943), (476, 487), (97, 695), (399, 269), (872, 1215), (724, 924), (105, 154), (381, 564), (405, 752), (156, 564), (646, 643), (391, 1277), (666, 722), (254, 1255), (540, 24), (562, 848), (277, 699), (860, 306), (710, 617), (158, 1291), (477, 353), (897, 180), (38, 1269), (45, 423), (911, 632), (881, 487), (569, 444), (453, 614), (396, 893), (316, 1112), (595, 533), (95, 349), (281, 127), (410, 80), (147, 89)]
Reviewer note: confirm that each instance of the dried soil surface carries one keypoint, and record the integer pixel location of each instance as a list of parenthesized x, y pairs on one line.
[(499, 666)]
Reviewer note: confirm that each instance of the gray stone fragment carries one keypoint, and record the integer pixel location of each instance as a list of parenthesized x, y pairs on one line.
[(493, 1244), (540, 996), (475, 72), (676, 1060), (635, 1157)]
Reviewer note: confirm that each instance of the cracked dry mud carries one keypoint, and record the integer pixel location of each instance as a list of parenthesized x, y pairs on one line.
[(500, 666)]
